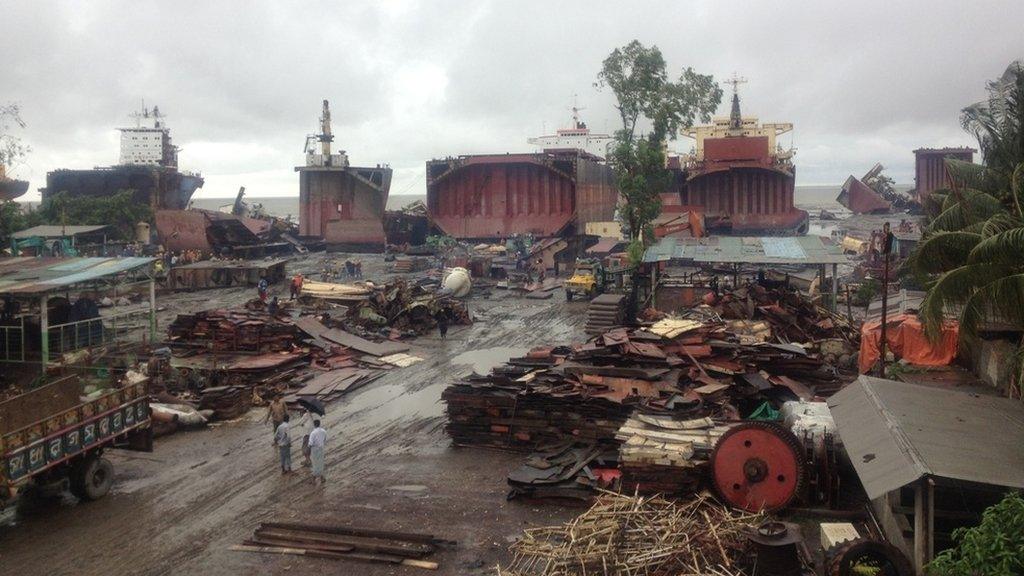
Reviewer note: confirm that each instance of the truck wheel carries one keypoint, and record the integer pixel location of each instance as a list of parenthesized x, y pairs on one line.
[(93, 479), (568, 296)]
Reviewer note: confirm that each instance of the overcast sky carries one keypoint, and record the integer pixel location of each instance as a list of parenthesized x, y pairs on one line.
[(241, 82)]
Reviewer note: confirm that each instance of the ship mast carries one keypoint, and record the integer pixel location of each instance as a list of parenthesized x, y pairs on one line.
[(735, 118), (325, 131)]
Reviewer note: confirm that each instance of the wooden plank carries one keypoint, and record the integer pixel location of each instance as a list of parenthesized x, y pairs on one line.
[(310, 326)]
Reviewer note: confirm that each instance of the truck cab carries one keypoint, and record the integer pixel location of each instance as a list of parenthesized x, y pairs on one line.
[(587, 280)]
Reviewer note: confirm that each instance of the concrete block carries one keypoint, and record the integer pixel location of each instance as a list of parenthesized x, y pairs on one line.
[(833, 533)]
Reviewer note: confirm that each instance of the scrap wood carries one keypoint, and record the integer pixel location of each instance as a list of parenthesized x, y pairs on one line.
[(313, 553), (623, 534)]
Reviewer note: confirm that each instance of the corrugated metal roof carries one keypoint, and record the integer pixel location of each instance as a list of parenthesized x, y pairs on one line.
[(605, 246), (896, 433), (41, 275), (48, 231), (903, 302), (746, 249)]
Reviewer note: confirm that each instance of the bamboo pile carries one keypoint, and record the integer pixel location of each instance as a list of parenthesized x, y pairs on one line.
[(634, 535)]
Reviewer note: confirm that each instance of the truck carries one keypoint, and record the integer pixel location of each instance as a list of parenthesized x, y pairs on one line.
[(54, 436), (587, 280)]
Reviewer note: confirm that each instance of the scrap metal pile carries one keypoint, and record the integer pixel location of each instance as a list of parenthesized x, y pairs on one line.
[(234, 330), (664, 455), (791, 315), (624, 534)]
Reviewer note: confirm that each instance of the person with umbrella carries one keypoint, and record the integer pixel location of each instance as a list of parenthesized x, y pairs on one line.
[(314, 408)]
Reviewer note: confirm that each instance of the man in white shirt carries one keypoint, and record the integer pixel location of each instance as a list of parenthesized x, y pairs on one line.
[(283, 439), (317, 439)]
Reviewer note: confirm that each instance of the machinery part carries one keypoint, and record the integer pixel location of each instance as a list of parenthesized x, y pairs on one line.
[(776, 545), (863, 556), (758, 466), (92, 478), (457, 283)]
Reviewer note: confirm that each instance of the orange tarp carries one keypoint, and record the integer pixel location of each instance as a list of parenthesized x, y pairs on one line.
[(906, 338)]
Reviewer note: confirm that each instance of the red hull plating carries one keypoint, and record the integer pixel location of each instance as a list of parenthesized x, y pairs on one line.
[(484, 197), (744, 199), (345, 207)]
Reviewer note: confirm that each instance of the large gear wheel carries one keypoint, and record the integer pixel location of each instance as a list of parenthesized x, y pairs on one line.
[(758, 466)]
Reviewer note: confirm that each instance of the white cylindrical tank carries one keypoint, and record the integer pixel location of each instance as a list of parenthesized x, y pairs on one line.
[(142, 232), (457, 283)]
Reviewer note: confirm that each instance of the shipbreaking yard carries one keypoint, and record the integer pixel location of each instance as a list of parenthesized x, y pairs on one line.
[(612, 353)]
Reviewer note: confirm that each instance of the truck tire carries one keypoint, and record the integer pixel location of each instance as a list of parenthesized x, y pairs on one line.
[(92, 479)]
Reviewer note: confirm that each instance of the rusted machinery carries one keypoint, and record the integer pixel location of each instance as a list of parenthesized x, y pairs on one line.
[(758, 466)]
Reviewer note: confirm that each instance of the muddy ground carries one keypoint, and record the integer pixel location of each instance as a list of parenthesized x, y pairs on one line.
[(389, 464)]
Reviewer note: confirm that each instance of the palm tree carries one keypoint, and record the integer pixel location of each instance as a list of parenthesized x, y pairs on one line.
[(972, 253)]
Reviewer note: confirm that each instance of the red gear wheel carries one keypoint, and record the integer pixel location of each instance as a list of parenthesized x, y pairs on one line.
[(758, 466)]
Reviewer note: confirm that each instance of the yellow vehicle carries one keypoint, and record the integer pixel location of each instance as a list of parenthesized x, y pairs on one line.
[(587, 280)]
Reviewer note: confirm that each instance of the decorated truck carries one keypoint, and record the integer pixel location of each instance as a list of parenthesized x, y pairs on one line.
[(55, 435)]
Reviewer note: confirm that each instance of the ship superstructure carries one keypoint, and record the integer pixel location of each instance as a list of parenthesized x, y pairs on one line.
[(148, 143), (577, 137)]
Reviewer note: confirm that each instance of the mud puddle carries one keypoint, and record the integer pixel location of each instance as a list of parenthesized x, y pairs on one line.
[(484, 359)]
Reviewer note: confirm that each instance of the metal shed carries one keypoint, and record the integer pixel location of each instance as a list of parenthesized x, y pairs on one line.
[(39, 279), (899, 434)]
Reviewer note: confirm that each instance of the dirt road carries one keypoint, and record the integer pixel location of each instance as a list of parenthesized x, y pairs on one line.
[(178, 509)]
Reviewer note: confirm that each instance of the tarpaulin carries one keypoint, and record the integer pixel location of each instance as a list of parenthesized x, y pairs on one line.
[(906, 338)]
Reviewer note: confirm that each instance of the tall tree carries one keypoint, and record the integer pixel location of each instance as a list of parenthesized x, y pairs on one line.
[(11, 147), (646, 97)]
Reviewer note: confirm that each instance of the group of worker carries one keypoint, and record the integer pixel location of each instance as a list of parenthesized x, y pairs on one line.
[(313, 443), (294, 288)]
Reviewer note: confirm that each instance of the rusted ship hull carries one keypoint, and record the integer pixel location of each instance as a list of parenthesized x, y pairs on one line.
[(495, 196), (344, 206), (11, 189), (162, 188), (747, 201)]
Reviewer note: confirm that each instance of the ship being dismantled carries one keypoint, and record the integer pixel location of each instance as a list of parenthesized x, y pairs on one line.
[(739, 177), (344, 205), (148, 166)]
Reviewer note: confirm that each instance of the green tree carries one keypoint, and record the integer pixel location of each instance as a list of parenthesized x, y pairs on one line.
[(12, 149), (645, 95), (970, 254), (119, 210), (993, 548)]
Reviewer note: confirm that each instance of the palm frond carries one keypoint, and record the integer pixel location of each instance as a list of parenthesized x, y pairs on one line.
[(973, 206), (1017, 188), (1001, 300), (967, 175), (1005, 248), (943, 251), (1001, 222), (952, 291)]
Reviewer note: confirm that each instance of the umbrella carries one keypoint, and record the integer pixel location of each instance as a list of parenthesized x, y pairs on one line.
[(312, 404)]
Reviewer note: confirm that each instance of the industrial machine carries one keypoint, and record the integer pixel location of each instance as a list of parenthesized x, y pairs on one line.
[(587, 280), (758, 466)]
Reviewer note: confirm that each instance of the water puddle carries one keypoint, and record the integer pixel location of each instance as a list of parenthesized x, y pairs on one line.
[(486, 358)]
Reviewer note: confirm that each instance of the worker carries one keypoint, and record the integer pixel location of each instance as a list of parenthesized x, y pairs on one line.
[(296, 286), (262, 287), (273, 307), (442, 323), (276, 411), (283, 440), (317, 441)]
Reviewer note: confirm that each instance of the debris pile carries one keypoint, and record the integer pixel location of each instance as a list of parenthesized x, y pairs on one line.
[(569, 470), (331, 385), (343, 542), (604, 313), (227, 402), (792, 316), (235, 330), (637, 535)]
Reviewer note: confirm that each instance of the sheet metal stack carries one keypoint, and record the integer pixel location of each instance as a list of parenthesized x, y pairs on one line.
[(343, 542), (604, 313), (227, 402), (235, 330), (660, 454)]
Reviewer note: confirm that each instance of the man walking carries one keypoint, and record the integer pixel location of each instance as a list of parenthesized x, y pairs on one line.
[(317, 439), (283, 439), (276, 411), (262, 287), (296, 287)]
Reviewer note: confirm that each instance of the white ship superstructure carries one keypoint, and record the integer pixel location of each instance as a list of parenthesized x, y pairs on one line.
[(146, 145), (578, 137)]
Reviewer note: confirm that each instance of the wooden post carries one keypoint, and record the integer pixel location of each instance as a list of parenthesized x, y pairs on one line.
[(44, 329), (835, 286), (152, 309), (885, 314), (923, 523)]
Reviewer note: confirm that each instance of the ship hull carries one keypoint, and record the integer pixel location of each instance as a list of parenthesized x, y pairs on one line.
[(344, 206), (162, 188), (491, 197), (744, 200)]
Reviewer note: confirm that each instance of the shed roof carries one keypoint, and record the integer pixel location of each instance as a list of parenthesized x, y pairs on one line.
[(56, 231), (897, 433), (27, 276), (747, 249)]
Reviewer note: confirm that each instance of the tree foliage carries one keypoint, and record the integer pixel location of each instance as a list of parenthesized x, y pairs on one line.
[(118, 210), (971, 250), (993, 548), (646, 96), (11, 147)]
